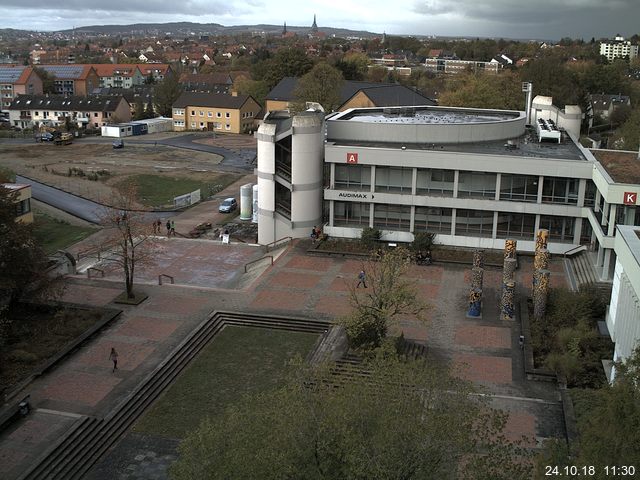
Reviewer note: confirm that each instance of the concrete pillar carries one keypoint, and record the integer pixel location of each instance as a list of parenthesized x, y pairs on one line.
[(507, 310), (453, 221), (540, 295), (509, 270), (540, 185), (412, 217), (582, 190), (332, 210), (414, 182), (456, 179), (577, 230), (494, 230), (606, 265), (372, 188), (478, 258), (612, 220), (477, 274), (498, 180)]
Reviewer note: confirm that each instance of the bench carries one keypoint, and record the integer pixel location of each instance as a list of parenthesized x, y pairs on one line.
[(10, 411)]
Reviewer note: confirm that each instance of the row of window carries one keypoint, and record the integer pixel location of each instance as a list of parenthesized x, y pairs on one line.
[(472, 223), (518, 188), (202, 125)]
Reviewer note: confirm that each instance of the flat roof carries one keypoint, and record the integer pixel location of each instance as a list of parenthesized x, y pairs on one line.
[(526, 146), (622, 166), (426, 115), (631, 236), (14, 186)]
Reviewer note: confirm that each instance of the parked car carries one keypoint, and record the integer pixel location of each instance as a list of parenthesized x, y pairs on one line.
[(119, 143), (228, 205), (44, 137)]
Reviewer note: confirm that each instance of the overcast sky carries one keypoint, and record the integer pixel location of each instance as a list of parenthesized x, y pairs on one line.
[(546, 19)]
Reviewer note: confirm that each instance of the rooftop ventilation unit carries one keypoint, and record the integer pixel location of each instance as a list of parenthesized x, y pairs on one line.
[(547, 130)]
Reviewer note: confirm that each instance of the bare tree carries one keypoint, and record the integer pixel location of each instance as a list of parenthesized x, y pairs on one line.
[(128, 236)]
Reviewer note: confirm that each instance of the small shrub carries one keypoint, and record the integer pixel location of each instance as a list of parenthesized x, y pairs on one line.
[(370, 236), (422, 241)]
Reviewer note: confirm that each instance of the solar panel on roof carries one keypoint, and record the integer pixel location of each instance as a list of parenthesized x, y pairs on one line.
[(10, 74), (64, 71)]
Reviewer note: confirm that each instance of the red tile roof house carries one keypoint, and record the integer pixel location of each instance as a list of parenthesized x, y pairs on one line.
[(17, 80)]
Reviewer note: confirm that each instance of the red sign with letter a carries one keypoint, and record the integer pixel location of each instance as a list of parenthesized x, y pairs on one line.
[(630, 198), (352, 158)]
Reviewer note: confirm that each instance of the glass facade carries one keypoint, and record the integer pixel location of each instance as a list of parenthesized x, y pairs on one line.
[(560, 190), (348, 214), (352, 177), (394, 179), (519, 188), (435, 182), (428, 219), (516, 225), (590, 194), (392, 217), (476, 185), (560, 228), (474, 223)]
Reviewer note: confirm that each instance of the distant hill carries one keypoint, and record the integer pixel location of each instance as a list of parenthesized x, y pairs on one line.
[(190, 28)]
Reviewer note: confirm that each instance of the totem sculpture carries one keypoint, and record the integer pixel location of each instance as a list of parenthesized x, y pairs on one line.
[(477, 275), (540, 294), (507, 304), (540, 262), (542, 238), (508, 279)]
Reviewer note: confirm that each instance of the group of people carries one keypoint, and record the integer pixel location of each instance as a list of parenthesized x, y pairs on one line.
[(171, 227), (316, 233)]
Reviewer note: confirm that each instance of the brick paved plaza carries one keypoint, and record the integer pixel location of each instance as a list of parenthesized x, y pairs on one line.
[(482, 350)]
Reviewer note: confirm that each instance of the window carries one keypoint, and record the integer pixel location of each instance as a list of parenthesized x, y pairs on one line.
[(218, 115), (202, 113), (193, 113), (474, 223), (435, 182), (217, 125), (35, 114), (209, 114), (519, 188), (392, 217), (227, 115), (429, 219), (350, 214), (560, 228), (590, 194), (178, 123), (394, 179), (201, 124), (352, 177), (178, 111), (23, 207), (516, 225), (560, 190), (227, 127), (95, 114), (476, 185), (193, 124)]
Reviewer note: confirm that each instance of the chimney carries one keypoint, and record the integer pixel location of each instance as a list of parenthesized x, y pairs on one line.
[(234, 93)]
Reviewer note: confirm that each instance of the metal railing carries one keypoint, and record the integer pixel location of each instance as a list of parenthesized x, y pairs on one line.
[(256, 261), (171, 280), (574, 250), (276, 242)]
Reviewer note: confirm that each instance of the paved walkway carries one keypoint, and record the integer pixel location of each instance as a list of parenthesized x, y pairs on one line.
[(482, 350)]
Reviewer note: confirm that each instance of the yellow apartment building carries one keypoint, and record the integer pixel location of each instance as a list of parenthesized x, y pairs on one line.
[(216, 112)]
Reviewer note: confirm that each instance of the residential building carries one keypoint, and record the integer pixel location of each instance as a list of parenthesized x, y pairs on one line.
[(93, 111), (73, 79), (17, 80), (618, 48), (443, 65), (209, 83), (601, 105), (22, 201), (118, 75), (352, 94), (215, 112)]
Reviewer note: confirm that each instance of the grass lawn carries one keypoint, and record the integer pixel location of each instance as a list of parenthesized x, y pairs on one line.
[(238, 361), (55, 234), (160, 190)]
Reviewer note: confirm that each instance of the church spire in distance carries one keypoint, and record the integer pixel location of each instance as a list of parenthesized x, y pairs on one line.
[(314, 25)]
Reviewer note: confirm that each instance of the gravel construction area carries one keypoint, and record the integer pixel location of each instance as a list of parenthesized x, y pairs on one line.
[(69, 167)]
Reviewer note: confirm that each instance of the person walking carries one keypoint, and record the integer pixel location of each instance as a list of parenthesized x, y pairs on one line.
[(113, 356), (173, 228), (362, 279), (168, 228)]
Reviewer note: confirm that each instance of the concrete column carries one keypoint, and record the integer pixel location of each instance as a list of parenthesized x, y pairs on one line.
[(414, 183), (456, 178), (453, 221), (606, 265), (371, 212), (373, 179), (600, 256), (605, 214), (577, 230), (331, 212), (412, 217), (536, 224), (612, 220), (540, 185), (494, 230), (582, 190), (596, 201), (498, 180), (507, 311)]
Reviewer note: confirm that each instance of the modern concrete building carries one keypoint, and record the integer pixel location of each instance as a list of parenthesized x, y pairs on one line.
[(474, 177), (623, 317), (618, 48)]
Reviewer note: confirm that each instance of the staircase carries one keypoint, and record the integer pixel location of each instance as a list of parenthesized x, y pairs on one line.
[(91, 437), (582, 274)]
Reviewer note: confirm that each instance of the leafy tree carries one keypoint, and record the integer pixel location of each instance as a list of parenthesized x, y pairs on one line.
[(354, 66), (166, 93), (322, 85), (23, 262), (377, 74), (388, 295), (48, 80), (484, 90), (387, 419), (149, 112), (287, 62), (422, 241), (258, 89), (629, 133), (551, 77), (138, 109), (128, 235)]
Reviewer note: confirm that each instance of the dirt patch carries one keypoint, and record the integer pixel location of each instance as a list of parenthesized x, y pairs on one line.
[(92, 170)]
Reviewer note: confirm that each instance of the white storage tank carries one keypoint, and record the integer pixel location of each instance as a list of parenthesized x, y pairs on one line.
[(246, 201)]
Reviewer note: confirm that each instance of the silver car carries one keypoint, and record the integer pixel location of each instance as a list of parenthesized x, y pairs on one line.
[(228, 205)]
